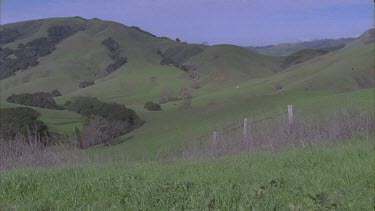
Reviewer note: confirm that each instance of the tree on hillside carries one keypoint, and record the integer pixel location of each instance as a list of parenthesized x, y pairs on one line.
[(151, 106), (55, 93), (178, 39)]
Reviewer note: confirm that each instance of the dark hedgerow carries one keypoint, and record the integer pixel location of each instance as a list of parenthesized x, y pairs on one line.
[(84, 84), (151, 106), (27, 55), (39, 99), (114, 52), (106, 121), (21, 121), (91, 106), (55, 93), (8, 35)]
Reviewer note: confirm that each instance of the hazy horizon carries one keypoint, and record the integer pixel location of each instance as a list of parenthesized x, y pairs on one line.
[(240, 22)]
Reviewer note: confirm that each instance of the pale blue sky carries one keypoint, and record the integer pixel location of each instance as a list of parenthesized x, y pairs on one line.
[(241, 22)]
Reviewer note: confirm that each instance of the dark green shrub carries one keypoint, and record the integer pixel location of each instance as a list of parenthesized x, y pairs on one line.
[(84, 84), (98, 130), (21, 121), (151, 106), (90, 106), (5, 52), (8, 35), (28, 54), (114, 53), (106, 121), (55, 93), (39, 99)]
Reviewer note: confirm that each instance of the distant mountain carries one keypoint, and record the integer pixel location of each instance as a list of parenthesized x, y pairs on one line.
[(115, 62), (366, 38), (64, 53), (205, 86), (286, 49)]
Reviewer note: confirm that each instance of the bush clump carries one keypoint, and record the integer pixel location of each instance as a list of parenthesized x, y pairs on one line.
[(84, 84), (21, 121), (91, 106), (39, 99), (114, 52), (106, 121), (151, 106), (27, 55), (55, 93), (8, 35)]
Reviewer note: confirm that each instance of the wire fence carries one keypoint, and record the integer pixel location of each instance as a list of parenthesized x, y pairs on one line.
[(255, 122), (276, 131)]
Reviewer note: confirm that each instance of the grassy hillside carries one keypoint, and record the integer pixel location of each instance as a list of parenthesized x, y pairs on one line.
[(286, 49), (227, 82), (81, 57)]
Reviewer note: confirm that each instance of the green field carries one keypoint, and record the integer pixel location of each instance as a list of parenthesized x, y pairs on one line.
[(323, 178)]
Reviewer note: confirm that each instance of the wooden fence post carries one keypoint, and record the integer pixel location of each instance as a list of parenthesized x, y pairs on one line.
[(290, 114), (245, 129), (214, 135)]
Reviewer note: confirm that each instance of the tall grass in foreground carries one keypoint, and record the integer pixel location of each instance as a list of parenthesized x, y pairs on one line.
[(276, 133), (317, 178), (29, 151)]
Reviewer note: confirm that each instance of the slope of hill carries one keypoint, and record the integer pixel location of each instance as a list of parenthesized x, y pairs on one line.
[(367, 37), (302, 56), (81, 56), (227, 82), (285, 49)]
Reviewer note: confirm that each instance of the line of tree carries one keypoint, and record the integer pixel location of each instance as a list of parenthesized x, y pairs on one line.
[(38, 99), (115, 54), (21, 121), (86, 83), (27, 55), (8, 35), (105, 121)]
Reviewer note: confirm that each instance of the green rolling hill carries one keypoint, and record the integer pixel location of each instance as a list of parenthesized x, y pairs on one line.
[(285, 49), (227, 82)]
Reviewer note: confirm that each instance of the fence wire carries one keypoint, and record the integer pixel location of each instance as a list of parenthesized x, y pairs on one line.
[(279, 133)]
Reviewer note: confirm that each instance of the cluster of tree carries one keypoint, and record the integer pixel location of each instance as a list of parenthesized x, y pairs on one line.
[(8, 35), (151, 106), (98, 130), (39, 99), (5, 52), (114, 53), (55, 93), (91, 106), (21, 121), (106, 121), (84, 84), (28, 54)]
